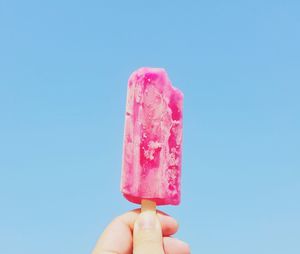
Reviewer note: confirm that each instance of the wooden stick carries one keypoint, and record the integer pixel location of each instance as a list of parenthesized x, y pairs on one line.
[(148, 205)]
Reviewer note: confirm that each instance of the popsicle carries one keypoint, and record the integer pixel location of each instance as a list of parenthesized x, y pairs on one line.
[(152, 148)]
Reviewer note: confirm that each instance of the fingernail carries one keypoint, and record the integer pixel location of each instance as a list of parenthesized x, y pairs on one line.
[(147, 220)]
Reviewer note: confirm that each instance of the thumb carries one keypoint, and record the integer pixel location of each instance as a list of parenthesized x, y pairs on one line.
[(147, 234)]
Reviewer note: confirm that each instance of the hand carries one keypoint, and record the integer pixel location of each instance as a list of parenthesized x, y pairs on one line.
[(141, 233)]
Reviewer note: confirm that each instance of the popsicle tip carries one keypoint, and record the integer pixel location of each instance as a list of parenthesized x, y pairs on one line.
[(147, 75)]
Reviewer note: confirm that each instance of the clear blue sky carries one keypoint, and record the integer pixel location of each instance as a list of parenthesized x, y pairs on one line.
[(63, 72)]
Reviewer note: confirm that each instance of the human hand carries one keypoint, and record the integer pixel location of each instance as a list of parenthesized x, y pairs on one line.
[(141, 233)]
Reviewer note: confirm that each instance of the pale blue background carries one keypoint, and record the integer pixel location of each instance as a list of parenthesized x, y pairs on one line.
[(63, 72)]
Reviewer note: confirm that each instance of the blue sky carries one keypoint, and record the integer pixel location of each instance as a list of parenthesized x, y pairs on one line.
[(63, 72)]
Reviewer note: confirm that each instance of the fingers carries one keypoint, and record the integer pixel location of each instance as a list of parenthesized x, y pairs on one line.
[(147, 234), (175, 246), (168, 224), (117, 237)]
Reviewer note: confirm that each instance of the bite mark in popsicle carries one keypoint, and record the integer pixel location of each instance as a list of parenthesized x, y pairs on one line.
[(152, 150)]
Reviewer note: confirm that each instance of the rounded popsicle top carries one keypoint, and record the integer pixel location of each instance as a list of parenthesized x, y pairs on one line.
[(153, 76)]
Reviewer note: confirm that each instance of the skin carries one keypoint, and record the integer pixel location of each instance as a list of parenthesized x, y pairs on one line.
[(141, 233)]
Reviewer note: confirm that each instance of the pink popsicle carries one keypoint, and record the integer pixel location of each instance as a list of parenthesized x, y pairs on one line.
[(152, 149)]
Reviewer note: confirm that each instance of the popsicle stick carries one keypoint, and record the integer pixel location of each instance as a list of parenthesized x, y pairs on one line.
[(148, 205)]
